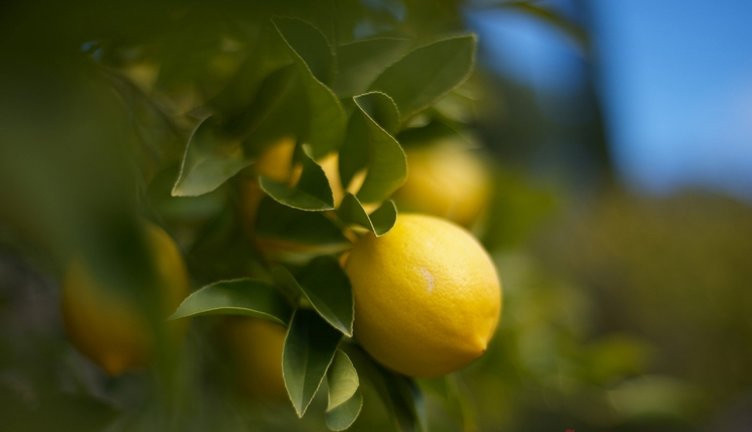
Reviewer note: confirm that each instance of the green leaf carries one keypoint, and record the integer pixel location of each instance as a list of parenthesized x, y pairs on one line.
[(274, 220), (344, 415), (268, 55), (210, 159), (309, 349), (370, 146), (275, 112), (312, 193), (379, 222), (381, 108), (327, 120), (360, 62), (310, 44), (427, 73), (342, 380), (236, 297), (327, 288), (286, 282), (400, 395)]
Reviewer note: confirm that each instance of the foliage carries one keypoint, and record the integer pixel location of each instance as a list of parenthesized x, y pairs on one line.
[(113, 114), (205, 91)]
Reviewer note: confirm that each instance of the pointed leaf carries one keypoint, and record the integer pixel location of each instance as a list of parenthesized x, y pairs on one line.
[(210, 159), (309, 349), (274, 112), (381, 108), (360, 62), (236, 297), (383, 218), (343, 416), (312, 193), (326, 123), (400, 395), (342, 380), (379, 222), (327, 288), (269, 55), (287, 283), (310, 44), (369, 146), (424, 75)]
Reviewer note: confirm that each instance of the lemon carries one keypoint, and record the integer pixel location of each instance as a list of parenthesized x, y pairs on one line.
[(427, 296), (256, 352), (276, 161), (109, 328), (447, 181)]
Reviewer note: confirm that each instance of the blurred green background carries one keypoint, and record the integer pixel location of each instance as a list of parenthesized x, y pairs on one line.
[(625, 250)]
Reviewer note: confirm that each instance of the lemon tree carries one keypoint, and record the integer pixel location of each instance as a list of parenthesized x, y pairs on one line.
[(271, 143), (110, 326), (421, 310)]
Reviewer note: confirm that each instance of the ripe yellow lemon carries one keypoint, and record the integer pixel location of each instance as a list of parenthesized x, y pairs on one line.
[(109, 328), (427, 296), (447, 181), (256, 352)]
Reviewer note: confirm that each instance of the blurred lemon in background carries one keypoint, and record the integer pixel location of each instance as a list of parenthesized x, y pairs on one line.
[(255, 347), (427, 296), (446, 180), (111, 328)]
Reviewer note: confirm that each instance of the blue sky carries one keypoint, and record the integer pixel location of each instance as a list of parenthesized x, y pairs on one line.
[(676, 81)]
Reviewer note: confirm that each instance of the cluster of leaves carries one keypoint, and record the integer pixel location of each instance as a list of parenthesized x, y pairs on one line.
[(356, 99)]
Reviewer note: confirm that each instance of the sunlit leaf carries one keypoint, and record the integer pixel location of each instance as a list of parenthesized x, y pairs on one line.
[(342, 380), (399, 394), (379, 222), (310, 44), (326, 123), (236, 297), (344, 415), (210, 159), (311, 193), (309, 349), (370, 146), (427, 73), (381, 108), (327, 288), (361, 61)]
